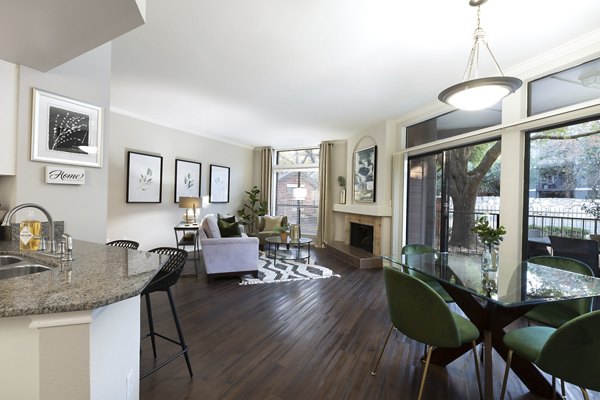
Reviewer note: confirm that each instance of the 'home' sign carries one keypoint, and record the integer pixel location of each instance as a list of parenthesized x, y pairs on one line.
[(65, 176)]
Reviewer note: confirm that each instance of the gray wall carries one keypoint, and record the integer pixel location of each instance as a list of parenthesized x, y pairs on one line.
[(83, 208), (152, 224)]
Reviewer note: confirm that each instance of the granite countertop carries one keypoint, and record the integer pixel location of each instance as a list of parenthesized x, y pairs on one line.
[(99, 275)]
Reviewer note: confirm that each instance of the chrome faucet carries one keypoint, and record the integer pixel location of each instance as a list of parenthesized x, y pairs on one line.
[(9, 215), (67, 242)]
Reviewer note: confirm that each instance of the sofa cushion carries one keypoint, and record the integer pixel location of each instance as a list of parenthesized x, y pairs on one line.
[(228, 229), (230, 218), (272, 222), (210, 226)]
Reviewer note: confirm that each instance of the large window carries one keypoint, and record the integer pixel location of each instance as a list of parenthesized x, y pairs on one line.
[(447, 191), (452, 124), (565, 88), (564, 181), (296, 177)]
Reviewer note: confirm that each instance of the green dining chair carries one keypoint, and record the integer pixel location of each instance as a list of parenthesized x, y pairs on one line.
[(435, 285), (421, 314), (570, 353), (555, 314)]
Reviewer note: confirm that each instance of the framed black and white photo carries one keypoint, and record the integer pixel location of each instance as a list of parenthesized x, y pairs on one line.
[(144, 178), (219, 184), (364, 164), (65, 131), (187, 179)]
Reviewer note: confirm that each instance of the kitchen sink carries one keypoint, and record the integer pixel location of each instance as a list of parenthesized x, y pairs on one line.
[(7, 260), (14, 271), (12, 266)]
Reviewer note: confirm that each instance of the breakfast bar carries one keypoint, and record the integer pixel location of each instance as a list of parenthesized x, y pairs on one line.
[(62, 329)]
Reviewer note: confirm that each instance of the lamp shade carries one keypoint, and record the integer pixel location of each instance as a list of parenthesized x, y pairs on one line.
[(478, 94), (190, 202)]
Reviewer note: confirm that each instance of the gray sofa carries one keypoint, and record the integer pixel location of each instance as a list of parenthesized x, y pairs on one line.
[(224, 256)]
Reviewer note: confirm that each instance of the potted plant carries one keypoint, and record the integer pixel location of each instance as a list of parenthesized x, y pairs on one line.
[(593, 208), (490, 237), (283, 231), (342, 182), (253, 208)]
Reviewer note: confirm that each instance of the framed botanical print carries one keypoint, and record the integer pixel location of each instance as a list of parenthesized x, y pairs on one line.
[(187, 179), (144, 178), (364, 164), (65, 131), (219, 184)]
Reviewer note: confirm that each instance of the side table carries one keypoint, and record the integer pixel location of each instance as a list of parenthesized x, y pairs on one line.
[(187, 235)]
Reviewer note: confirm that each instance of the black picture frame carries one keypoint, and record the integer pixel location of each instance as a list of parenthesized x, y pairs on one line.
[(144, 185), (219, 184), (364, 172), (188, 181)]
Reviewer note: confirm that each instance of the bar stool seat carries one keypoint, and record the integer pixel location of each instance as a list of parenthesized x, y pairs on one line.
[(167, 277), (128, 244)]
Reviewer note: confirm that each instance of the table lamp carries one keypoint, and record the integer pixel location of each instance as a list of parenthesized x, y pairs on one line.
[(187, 203)]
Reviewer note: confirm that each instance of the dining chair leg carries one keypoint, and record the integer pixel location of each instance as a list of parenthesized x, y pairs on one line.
[(150, 324), (506, 371), (477, 371), (553, 388), (429, 350), (562, 388), (374, 370), (586, 396)]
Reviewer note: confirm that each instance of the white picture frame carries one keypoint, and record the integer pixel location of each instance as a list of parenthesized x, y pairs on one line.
[(65, 131)]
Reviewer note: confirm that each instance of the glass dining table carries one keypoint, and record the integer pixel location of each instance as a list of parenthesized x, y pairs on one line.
[(493, 300)]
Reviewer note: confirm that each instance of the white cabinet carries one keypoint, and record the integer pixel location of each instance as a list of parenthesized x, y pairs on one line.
[(9, 82)]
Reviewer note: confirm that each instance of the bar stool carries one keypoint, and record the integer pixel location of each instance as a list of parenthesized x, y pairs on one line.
[(167, 277), (128, 244)]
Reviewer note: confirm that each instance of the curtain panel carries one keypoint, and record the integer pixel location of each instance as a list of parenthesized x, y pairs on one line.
[(325, 218)]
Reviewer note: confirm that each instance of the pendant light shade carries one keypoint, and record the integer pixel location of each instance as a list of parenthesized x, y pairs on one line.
[(475, 93)]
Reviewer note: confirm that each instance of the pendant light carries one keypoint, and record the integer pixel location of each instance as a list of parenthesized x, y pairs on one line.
[(475, 93)]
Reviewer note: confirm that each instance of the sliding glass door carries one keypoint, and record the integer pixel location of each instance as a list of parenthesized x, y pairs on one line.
[(447, 191)]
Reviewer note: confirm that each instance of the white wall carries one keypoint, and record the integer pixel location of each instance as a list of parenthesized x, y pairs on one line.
[(384, 137), (83, 208), (152, 224)]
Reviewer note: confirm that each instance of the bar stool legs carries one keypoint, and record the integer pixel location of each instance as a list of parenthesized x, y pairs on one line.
[(152, 334)]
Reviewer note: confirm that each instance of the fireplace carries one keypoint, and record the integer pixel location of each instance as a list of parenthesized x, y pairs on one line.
[(371, 223), (361, 236)]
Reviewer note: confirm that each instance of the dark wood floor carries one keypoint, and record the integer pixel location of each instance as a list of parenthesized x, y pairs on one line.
[(297, 340)]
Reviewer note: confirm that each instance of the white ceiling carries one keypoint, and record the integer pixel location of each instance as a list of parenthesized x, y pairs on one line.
[(293, 73)]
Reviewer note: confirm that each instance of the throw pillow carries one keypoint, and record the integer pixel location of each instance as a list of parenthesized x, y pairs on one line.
[(272, 222), (228, 229), (229, 219)]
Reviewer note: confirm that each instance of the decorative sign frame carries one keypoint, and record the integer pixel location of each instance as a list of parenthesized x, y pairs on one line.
[(65, 176), (187, 179), (219, 184), (144, 178), (364, 172), (65, 131)]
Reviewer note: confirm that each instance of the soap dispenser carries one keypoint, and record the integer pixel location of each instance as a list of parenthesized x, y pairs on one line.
[(29, 233)]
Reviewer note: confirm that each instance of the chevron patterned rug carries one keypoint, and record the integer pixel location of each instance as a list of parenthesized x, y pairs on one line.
[(285, 271)]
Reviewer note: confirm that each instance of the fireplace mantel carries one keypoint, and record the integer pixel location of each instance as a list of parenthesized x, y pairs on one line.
[(362, 209)]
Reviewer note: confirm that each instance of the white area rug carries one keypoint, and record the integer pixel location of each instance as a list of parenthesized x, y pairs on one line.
[(285, 271)]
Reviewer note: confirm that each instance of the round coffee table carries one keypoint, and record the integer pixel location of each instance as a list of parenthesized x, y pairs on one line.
[(297, 250)]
